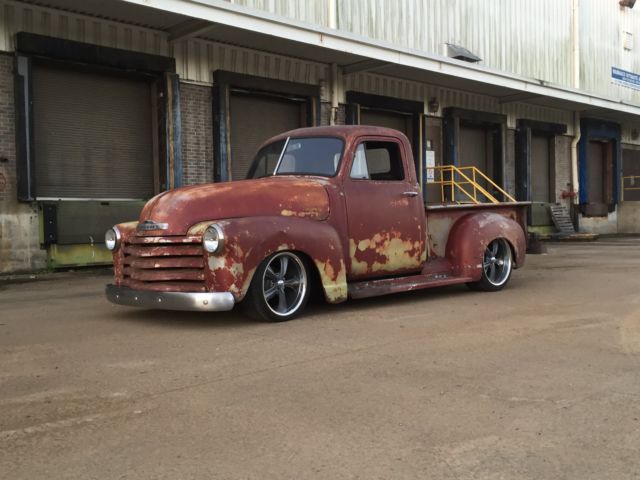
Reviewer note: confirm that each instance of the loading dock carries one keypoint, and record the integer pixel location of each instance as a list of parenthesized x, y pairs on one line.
[(249, 110)]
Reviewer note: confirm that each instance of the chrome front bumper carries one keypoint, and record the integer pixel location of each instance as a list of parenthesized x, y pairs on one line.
[(197, 301)]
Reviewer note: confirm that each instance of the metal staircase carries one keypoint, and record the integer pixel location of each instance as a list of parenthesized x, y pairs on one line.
[(562, 219)]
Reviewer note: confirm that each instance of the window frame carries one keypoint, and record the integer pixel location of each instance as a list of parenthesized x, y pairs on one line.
[(401, 152)]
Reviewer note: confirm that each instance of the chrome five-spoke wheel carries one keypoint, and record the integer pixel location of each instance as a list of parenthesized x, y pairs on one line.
[(280, 287), (497, 264)]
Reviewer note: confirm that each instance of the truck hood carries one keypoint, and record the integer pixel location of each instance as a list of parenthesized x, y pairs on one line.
[(285, 196)]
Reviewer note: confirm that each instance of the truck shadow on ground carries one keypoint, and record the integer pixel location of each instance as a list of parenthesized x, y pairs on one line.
[(234, 319), (315, 311)]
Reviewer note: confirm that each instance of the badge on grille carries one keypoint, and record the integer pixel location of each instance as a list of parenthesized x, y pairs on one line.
[(151, 225)]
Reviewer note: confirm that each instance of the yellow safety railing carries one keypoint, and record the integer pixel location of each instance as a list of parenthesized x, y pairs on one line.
[(464, 185), (630, 183)]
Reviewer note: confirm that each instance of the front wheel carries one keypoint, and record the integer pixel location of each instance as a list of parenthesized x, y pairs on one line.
[(497, 265), (279, 289)]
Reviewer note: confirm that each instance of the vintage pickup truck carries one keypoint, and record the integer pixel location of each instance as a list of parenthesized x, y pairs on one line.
[(331, 209)]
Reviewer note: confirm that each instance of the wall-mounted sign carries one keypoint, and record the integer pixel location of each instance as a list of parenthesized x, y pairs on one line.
[(624, 78), (431, 163)]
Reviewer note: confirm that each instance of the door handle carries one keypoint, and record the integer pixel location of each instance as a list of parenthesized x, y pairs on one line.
[(410, 194)]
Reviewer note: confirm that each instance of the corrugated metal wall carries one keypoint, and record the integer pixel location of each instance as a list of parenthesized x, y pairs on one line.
[(602, 24), (316, 11), (394, 87), (16, 17), (530, 38), (197, 59)]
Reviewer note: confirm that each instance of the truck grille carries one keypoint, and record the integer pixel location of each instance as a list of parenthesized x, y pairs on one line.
[(164, 264)]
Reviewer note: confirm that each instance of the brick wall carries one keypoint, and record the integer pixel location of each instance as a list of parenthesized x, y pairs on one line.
[(325, 114), (19, 239), (197, 133), (7, 142)]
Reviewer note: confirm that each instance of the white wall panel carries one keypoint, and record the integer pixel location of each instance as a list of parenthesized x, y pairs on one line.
[(530, 38), (602, 24), (310, 11)]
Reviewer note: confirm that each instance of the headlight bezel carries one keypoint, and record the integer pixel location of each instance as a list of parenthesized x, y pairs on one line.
[(117, 240), (214, 244)]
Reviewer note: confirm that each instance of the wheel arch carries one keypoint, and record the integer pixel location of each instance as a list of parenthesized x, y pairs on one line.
[(251, 240), (470, 236)]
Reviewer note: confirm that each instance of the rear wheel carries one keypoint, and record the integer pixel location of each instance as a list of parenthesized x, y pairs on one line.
[(280, 288), (497, 265)]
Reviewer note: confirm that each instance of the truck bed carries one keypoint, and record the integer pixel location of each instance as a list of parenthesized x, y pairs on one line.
[(440, 217)]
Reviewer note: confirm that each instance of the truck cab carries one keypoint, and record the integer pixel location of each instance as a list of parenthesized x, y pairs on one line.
[(338, 209)]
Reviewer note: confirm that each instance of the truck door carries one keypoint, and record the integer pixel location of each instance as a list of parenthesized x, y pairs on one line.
[(385, 214)]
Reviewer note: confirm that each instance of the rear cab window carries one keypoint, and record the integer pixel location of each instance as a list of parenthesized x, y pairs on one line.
[(377, 161)]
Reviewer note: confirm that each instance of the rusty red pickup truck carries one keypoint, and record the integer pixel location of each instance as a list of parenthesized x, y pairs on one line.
[(336, 210)]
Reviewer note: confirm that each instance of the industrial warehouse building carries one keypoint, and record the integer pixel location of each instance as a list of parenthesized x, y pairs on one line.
[(103, 104)]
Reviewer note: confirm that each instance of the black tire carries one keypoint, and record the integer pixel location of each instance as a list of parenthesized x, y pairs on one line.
[(279, 289), (497, 266)]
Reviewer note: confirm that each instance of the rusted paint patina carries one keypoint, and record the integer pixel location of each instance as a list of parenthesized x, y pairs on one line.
[(356, 234), (385, 252), (286, 195), (470, 235), (248, 241)]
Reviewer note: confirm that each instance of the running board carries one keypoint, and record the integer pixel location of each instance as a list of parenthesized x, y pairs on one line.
[(387, 286)]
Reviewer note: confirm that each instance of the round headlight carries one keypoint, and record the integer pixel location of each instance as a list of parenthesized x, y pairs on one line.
[(213, 239), (112, 238)]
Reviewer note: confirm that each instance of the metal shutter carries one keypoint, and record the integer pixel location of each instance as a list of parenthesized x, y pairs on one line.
[(255, 119), (396, 121), (92, 135), (540, 169)]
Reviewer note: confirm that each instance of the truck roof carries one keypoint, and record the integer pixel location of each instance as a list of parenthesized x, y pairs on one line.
[(343, 131)]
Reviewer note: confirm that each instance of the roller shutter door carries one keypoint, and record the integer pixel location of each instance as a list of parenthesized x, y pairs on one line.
[(92, 134), (255, 119), (474, 148), (631, 168), (595, 164), (378, 118), (540, 169)]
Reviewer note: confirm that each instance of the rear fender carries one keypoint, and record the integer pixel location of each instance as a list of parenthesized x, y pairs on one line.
[(470, 236), (248, 241)]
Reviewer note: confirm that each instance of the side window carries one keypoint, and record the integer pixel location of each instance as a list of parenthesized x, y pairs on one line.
[(377, 161)]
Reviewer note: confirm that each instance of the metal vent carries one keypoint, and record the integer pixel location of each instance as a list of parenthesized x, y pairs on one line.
[(460, 53)]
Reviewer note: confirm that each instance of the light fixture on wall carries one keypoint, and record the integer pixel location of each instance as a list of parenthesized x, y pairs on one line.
[(627, 3), (433, 106), (635, 134)]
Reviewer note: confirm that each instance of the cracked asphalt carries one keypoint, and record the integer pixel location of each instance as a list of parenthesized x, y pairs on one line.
[(539, 381)]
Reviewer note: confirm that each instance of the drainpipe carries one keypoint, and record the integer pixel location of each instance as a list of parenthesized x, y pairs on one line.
[(575, 179), (334, 94)]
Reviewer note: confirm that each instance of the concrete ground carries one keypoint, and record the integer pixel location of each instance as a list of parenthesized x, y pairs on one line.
[(539, 381)]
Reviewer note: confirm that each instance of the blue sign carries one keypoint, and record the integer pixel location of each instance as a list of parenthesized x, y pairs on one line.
[(624, 78)]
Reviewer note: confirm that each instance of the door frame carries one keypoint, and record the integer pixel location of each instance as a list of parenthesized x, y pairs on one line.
[(160, 70), (599, 130), (224, 83), (453, 116)]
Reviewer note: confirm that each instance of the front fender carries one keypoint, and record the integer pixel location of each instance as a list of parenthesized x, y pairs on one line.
[(248, 241), (470, 236)]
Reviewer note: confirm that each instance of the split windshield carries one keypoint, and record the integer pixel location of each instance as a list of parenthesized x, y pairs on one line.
[(298, 156)]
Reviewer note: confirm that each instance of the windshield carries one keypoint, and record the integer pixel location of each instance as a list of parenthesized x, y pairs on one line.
[(298, 156)]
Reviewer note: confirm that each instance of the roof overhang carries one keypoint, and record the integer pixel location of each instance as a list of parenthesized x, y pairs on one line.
[(223, 21)]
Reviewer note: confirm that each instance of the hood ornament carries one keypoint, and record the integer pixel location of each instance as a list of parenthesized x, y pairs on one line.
[(149, 225)]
